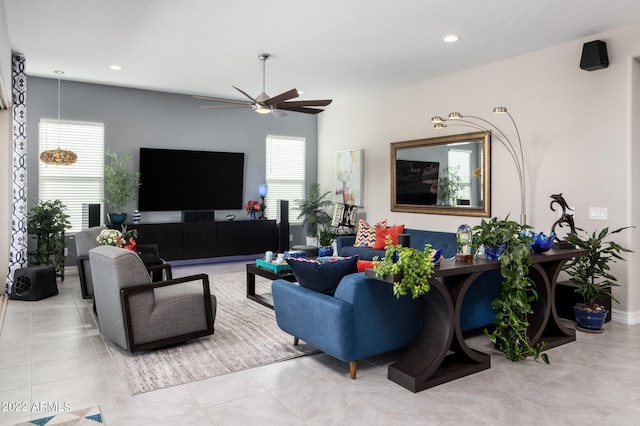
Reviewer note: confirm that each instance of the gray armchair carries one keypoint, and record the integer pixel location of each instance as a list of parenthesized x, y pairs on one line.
[(85, 241), (138, 314)]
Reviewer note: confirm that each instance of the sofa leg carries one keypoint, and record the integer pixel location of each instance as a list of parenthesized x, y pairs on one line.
[(295, 341), (353, 366)]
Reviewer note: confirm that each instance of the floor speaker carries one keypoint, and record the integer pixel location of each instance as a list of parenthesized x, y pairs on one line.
[(90, 215), (34, 283), (283, 228), (594, 56)]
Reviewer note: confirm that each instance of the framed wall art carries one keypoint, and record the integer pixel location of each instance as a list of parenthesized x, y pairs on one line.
[(350, 177)]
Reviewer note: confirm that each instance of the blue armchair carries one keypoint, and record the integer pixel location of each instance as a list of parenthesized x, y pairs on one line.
[(362, 319)]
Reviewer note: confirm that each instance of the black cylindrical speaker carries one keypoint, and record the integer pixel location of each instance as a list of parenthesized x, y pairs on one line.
[(34, 283), (283, 228)]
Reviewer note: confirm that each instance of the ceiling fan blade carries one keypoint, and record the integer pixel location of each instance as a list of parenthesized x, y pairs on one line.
[(323, 102), (244, 93), (225, 106), (230, 101), (299, 109), (278, 113), (293, 93)]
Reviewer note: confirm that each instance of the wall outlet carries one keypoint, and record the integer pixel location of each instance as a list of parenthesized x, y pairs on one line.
[(598, 213)]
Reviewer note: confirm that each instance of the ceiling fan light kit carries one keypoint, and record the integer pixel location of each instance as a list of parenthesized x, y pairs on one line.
[(263, 104)]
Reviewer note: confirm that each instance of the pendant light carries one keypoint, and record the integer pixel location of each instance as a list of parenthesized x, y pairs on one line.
[(58, 157)]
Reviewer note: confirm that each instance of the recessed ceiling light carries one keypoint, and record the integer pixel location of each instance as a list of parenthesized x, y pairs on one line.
[(115, 67), (451, 38)]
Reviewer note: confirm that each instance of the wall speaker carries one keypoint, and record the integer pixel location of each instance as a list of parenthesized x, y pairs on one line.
[(594, 56), (283, 228), (198, 216), (90, 215), (34, 283)]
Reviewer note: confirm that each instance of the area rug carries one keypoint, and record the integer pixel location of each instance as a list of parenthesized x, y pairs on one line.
[(86, 416), (246, 336)]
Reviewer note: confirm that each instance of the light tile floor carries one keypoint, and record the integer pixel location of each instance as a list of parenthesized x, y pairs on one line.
[(51, 352)]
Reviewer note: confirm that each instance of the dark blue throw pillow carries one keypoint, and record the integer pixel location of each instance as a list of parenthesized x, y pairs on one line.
[(323, 275)]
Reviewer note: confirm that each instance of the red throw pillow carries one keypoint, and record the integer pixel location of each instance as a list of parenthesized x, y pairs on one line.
[(364, 264), (381, 236)]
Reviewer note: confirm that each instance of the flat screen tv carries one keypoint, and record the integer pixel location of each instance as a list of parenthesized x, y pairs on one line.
[(417, 182), (172, 179)]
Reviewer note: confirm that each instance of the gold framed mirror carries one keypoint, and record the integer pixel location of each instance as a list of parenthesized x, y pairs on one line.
[(445, 175)]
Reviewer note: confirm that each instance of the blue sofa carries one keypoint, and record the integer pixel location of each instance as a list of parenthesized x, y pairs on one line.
[(445, 241), (362, 319)]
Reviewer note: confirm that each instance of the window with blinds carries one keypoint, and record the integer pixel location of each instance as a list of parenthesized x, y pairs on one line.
[(460, 161), (285, 174), (79, 183)]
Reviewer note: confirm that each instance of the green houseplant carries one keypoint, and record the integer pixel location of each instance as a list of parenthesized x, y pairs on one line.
[(592, 274), (449, 185), (48, 221), (514, 304), (410, 268), (119, 185), (313, 211)]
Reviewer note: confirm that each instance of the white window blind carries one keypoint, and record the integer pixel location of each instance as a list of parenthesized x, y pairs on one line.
[(460, 161), (285, 174), (79, 183)]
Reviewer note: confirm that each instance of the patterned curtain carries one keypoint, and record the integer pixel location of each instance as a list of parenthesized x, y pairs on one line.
[(18, 248)]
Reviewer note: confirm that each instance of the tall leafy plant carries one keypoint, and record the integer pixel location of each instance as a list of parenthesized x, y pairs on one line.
[(592, 272), (119, 182), (313, 210), (48, 221)]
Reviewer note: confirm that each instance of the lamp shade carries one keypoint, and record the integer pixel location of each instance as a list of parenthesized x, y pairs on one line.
[(263, 190)]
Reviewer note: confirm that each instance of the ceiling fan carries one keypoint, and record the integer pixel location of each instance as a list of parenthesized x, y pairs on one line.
[(264, 104)]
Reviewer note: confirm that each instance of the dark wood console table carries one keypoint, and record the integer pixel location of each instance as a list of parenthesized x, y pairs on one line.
[(440, 353)]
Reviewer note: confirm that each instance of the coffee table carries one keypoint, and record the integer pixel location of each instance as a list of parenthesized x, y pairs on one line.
[(252, 271)]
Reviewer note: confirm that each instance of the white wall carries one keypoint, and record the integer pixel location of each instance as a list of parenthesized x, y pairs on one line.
[(575, 126), (5, 150)]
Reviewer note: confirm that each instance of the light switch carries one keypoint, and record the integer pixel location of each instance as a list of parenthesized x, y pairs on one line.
[(598, 213)]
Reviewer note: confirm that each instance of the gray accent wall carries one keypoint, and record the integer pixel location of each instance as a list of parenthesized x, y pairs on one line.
[(136, 118)]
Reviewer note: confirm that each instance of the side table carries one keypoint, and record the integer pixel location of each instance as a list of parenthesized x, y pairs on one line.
[(252, 271)]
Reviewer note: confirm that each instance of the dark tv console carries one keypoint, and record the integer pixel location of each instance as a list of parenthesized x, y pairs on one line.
[(198, 240)]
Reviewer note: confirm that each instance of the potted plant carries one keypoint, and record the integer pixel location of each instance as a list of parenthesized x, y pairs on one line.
[(325, 239), (409, 268), (510, 239), (448, 186), (119, 185), (312, 211), (48, 221), (592, 274)]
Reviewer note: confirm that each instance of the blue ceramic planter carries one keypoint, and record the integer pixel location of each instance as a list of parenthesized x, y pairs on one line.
[(325, 251), (117, 218), (494, 252), (590, 320)]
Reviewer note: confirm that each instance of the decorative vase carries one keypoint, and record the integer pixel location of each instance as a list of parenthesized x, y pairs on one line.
[(117, 218), (588, 320), (541, 242), (325, 251), (136, 216), (252, 216), (494, 252)]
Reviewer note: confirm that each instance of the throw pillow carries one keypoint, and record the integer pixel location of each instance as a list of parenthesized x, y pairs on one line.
[(366, 234), (381, 236), (323, 276), (363, 265)]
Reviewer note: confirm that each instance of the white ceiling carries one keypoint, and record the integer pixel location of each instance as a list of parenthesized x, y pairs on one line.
[(337, 49)]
